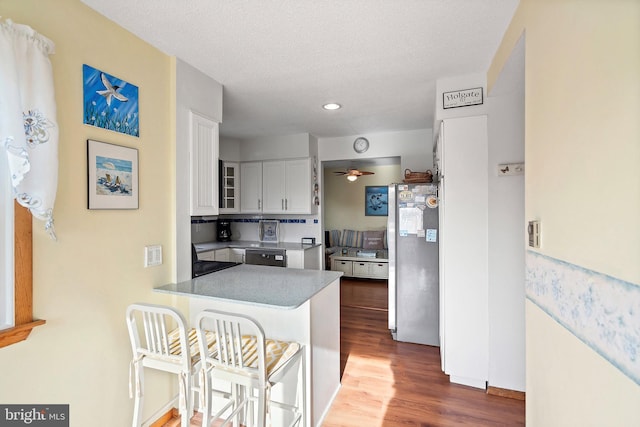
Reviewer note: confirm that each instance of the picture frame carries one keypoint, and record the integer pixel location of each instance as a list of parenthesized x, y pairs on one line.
[(110, 102), (112, 176), (268, 230), (376, 200)]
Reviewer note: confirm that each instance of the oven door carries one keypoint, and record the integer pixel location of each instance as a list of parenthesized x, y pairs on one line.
[(272, 257)]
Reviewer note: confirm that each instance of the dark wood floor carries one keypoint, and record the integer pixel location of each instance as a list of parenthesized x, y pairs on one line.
[(387, 383)]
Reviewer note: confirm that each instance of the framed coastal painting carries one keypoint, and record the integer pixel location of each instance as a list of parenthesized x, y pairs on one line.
[(109, 102), (112, 176), (376, 200)]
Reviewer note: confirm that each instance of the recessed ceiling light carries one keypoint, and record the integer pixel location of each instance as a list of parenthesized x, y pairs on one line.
[(331, 106)]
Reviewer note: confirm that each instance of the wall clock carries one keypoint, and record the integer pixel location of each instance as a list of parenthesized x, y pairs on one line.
[(360, 145)]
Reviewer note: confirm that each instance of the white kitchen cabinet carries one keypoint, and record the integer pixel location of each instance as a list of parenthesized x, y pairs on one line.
[(273, 190), (298, 186), (207, 256), (278, 186), (236, 255), (295, 259), (215, 255), (230, 187), (287, 186), (463, 193), (222, 254), (308, 258), (204, 154), (251, 187)]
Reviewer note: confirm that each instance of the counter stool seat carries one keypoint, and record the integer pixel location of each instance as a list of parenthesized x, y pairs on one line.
[(160, 340), (241, 355)]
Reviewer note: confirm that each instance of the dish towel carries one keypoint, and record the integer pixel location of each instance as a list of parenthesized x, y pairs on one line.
[(28, 127)]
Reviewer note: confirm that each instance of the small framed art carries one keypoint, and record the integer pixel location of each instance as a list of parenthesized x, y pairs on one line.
[(112, 176), (376, 201)]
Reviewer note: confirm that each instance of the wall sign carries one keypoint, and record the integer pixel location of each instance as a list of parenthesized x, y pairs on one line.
[(462, 98)]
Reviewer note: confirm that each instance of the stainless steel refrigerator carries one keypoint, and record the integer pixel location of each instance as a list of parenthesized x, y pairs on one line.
[(413, 263)]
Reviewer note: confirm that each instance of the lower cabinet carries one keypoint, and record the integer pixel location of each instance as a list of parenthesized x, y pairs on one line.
[(215, 255), (295, 259), (207, 256), (236, 255), (308, 259), (365, 269)]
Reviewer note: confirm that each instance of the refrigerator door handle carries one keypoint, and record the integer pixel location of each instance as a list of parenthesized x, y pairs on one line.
[(391, 242)]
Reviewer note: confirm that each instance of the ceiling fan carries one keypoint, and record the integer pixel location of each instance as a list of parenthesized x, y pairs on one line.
[(353, 174)]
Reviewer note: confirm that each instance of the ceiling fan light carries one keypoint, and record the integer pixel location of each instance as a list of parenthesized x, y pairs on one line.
[(352, 177)]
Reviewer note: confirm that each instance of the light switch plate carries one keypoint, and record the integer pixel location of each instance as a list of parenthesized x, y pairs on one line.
[(152, 255), (534, 234)]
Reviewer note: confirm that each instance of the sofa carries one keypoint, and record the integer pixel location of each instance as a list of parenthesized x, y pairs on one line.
[(348, 243)]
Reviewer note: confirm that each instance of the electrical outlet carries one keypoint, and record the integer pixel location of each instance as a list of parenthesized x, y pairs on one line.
[(510, 169), (152, 255)]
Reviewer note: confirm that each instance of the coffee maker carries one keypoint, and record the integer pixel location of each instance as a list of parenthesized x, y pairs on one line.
[(224, 230)]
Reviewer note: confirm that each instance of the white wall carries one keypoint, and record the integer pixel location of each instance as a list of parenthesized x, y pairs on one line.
[(344, 201), (581, 139), (414, 148), (454, 83), (199, 93), (505, 107), (83, 283), (276, 147), (230, 149)]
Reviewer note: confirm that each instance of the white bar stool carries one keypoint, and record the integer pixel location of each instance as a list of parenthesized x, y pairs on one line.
[(160, 340), (243, 356)]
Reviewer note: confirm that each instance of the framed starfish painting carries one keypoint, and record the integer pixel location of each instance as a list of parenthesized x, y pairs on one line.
[(110, 102)]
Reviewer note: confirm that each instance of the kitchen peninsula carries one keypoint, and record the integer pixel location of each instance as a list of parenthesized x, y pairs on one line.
[(290, 304)]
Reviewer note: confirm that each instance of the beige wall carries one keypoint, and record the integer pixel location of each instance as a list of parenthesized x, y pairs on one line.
[(344, 200), (83, 282), (583, 184)]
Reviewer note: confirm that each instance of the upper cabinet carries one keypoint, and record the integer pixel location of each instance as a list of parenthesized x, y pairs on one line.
[(298, 186), (229, 187), (251, 187), (203, 150), (279, 186), (273, 186)]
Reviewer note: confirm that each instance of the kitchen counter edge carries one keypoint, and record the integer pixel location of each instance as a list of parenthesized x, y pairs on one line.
[(275, 287)]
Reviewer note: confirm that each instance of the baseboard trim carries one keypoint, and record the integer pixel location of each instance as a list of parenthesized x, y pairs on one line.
[(503, 392), (168, 416)]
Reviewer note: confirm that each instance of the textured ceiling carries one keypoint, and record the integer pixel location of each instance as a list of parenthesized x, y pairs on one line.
[(280, 60)]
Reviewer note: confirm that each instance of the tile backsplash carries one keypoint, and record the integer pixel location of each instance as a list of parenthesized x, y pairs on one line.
[(291, 229)]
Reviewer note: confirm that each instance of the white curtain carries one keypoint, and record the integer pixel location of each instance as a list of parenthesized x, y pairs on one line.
[(28, 127)]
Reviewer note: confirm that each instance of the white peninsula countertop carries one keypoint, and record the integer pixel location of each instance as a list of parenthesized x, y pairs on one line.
[(290, 304), (276, 287)]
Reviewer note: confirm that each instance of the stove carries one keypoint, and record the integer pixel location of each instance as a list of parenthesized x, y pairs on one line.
[(200, 268)]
